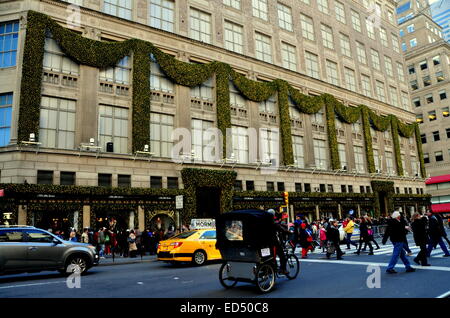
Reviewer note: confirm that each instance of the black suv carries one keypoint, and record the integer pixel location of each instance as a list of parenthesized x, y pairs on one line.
[(29, 249)]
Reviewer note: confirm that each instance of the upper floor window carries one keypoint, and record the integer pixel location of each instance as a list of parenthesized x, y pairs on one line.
[(161, 14), (200, 25), (327, 36), (312, 65), (118, 74), (323, 6), (204, 91), (384, 37), (9, 35), (233, 3), (340, 12), (6, 101), (289, 56), (113, 127), (263, 47), (234, 37), (119, 8), (356, 22), (260, 9), (158, 80), (285, 17), (307, 27), (55, 60)]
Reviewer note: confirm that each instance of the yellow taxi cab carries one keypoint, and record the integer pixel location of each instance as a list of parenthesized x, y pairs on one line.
[(197, 246)]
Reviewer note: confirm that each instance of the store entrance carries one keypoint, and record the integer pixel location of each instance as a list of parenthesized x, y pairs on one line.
[(208, 202), (55, 221), (116, 221)]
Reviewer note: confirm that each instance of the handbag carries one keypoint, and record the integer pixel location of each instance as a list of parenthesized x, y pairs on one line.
[(330, 248)]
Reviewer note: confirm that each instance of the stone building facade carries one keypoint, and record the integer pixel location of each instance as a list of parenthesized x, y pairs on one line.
[(87, 125)]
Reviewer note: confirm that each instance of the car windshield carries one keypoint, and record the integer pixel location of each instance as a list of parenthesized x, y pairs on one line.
[(183, 235)]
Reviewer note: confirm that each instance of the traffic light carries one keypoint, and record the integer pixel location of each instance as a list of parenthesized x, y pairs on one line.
[(286, 197)]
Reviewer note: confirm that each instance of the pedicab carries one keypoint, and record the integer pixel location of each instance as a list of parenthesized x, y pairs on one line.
[(245, 239)]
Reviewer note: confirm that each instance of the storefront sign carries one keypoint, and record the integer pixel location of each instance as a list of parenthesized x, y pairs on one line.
[(179, 202)]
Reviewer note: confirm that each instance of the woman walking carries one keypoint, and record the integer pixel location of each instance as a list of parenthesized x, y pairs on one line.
[(364, 236), (419, 225), (132, 247)]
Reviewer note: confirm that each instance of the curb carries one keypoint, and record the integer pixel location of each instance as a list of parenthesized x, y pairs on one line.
[(127, 263)]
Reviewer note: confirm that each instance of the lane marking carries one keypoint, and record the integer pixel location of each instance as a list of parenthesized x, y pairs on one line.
[(432, 268), (445, 295), (29, 285)]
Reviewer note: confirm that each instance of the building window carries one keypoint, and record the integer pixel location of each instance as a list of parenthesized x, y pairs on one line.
[(426, 158), (426, 81), (237, 185), (260, 9), (332, 73), (432, 115), (119, 74), (356, 22), (375, 59), (419, 118), (155, 182), (312, 65), (44, 177), (445, 112), (323, 6), (429, 98), (113, 127), (9, 36), (263, 47), (381, 91), (124, 180), (327, 36), (411, 69), (389, 163), (200, 26), (240, 143), (330, 188), (440, 76), (201, 144), (158, 80), (359, 159), (322, 188), (320, 154), (394, 96), (67, 178), (161, 14), (285, 17), (368, 189), (298, 148), (269, 144), (436, 60), (268, 106), (6, 101), (436, 136), (438, 155), (384, 37), (234, 37), (250, 185), (236, 99), (172, 182), (410, 28), (413, 42), (270, 186), (370, 29), (307, 27), (442, 94), (350, 189), (233, 3), (161, 127), (342, 156), (345, 45), (400, 72), (361, 189), (307, 187), (447, 130), (366, 86), (388, 65), (423, 138), (298, 187), (416, 102), (361, 53), (340, 12), (395, 44), (105, 180), (289, 56), (350, 80), (343, 188), (204, 91), (57, 123), (414, 85), (377, 160), (280, 186), (55, 60), (118, 8)]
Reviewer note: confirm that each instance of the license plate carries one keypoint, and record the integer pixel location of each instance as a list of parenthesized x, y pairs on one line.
[(265, 252)]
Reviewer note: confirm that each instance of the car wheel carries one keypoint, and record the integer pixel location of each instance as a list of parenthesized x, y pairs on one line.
[(199, 258), (76, 263)]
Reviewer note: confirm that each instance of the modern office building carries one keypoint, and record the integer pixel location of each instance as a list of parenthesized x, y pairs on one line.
[(440, 11), (313, 95), (427, 58)]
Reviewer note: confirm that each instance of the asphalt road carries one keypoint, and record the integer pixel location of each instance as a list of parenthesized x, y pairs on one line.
[(318, 278)]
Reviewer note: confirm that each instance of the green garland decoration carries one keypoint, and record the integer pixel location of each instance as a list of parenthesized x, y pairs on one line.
[(367, 138), (106, 54)]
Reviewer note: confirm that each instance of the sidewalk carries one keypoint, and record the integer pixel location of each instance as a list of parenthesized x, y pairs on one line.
[(118, 260)]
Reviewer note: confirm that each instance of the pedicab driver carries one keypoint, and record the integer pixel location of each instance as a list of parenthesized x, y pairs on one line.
[(280, 232)]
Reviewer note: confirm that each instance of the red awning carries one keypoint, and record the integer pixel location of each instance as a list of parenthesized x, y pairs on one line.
[(440, 208), (438, 179)]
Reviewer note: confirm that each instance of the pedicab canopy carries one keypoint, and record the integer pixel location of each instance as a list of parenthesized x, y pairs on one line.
[(245, 229)]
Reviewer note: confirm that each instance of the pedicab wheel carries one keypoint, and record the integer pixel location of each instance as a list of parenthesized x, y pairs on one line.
[(265, 278), (224, 278), (292, 266)]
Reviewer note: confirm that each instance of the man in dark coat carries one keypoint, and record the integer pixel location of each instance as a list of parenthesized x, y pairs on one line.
[(333, 238), (436, 232), (419, 226), (364, 236), (396, 232)]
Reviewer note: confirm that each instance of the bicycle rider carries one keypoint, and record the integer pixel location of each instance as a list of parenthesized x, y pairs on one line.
[(281, 231)]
